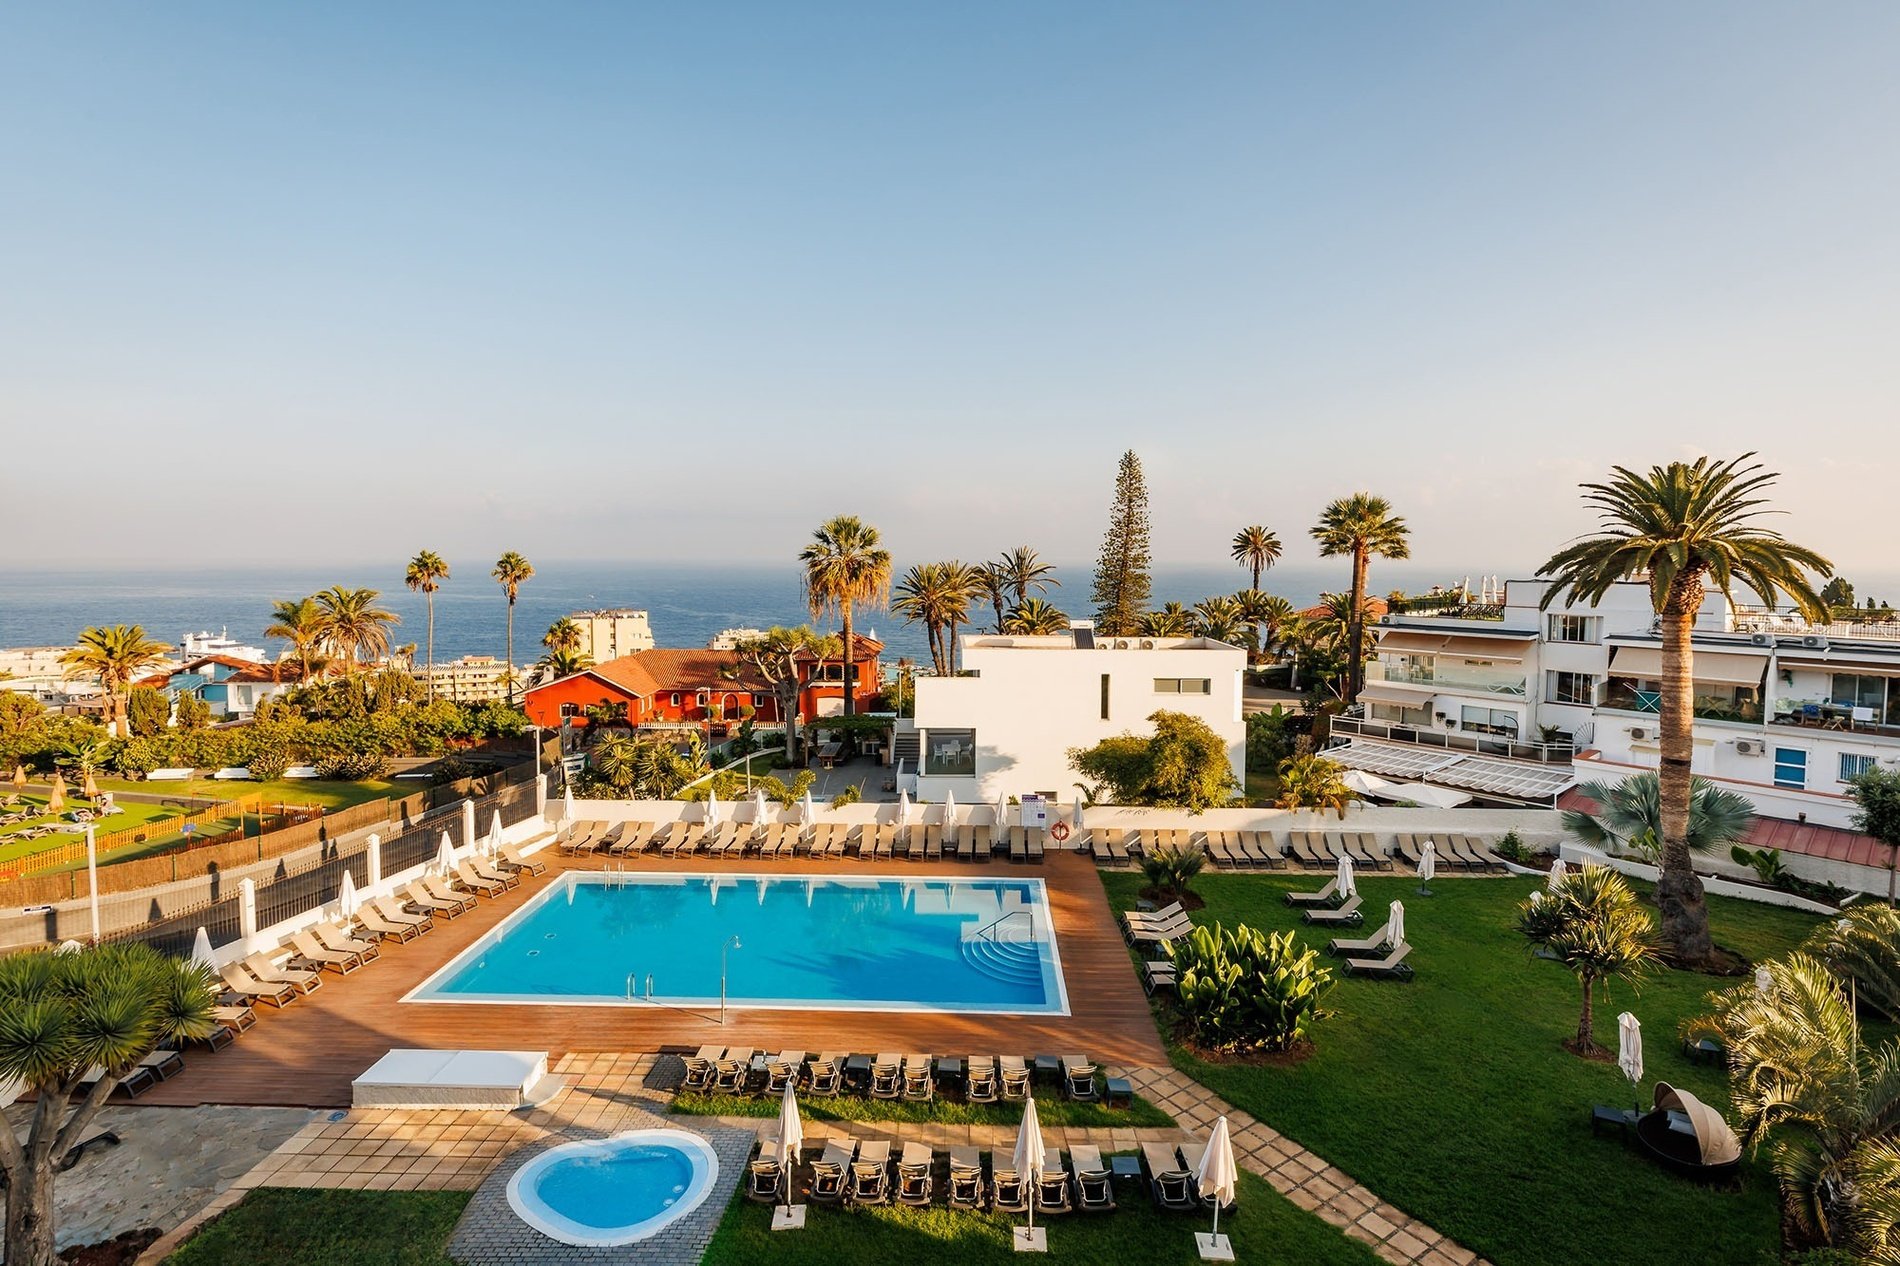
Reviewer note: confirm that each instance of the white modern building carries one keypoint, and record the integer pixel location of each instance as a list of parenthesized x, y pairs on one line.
[(1003, 726), (613, 632), (199, 645), (470, 679), (729, 639), (1786, 712)]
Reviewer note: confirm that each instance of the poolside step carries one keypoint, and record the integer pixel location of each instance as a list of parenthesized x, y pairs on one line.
[(1014, 962)]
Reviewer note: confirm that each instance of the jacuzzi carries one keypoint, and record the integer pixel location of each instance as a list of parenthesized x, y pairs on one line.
[(620, 1190)]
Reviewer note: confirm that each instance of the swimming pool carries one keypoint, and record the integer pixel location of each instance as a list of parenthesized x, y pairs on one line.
[(804, 942), (614, 1191)]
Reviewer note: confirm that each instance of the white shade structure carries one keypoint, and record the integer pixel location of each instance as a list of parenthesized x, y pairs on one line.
[(1027, 1159), (493, 844), (806, 813), (201, 949), (346, 895), (712, 807), (1428, 795), (1348, 886), (445, 855), (1216, 1181), (903, 807), (1002, 812), (949, 811), (758, 806), (567, 804), (1075, 814), (1629, 1047), (1427, 864), (1557, 872), (1363, 784), (1395, 924), (791, 1137)]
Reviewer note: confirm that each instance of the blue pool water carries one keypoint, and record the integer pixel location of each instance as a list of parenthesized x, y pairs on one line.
[(818, 942), (614, 1191)]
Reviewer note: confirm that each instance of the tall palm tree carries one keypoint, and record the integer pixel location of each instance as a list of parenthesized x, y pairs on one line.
[(562, 635), (1630, 813), (1358, 527), (845, 568), (426, 572), (1035, 618), (354, 627), (1023, 570), (1595, 925), (1266, 613), (1683, 528), (1172, 620), (1256, 548), (993, 585), (937, 596), (1219, 618), (300, 622), (511, 572), (115, 654), (1310, 781)]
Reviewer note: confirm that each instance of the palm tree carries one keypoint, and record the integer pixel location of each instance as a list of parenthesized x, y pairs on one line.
[(354, 627), (562, 635), (559, 662), (1256, 548), (1172, 620), (511, 572), (777, 657), (1022, 571), (1682, 528), (1219, 618), (993, 585), (1035, 618), (846, 568), (1630, 813), (1863, 947), (937, 596), (115, 654), (1266, 614), (1329, 636), (104, 1007), (1311, 781), (1360, 526), (1593, 923), (426, 572), (300, 622), (1803, 1082)]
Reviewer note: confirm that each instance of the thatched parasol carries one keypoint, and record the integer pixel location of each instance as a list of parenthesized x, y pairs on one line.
[(57, 801)]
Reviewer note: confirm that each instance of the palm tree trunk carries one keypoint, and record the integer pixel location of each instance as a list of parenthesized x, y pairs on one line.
[(1685, 912), (997, 602), (1586, 1019), (1256, 575), (1355, 628), (511, 650), (850, 702), (431, 597)]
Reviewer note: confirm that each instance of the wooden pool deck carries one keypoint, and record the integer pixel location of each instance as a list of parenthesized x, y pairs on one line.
[(308, 1053)]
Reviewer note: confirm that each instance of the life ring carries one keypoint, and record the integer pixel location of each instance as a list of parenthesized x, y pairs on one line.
[(1059, 832)]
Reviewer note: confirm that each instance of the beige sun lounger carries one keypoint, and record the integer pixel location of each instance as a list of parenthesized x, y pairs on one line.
[(489, 870), (443, 889), (389, 910), (311, 951), (513, 856), (1348, 913), (243, 982), (416, 895), (334, 937), (264, 969), (466, 873)]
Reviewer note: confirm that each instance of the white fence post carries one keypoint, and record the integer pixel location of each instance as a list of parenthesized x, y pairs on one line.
[(468, 824), (373, 852), (247, 908)]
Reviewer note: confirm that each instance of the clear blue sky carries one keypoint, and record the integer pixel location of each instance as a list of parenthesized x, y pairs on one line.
[(340, 281)]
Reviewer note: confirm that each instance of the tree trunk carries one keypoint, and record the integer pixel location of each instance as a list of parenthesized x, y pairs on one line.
[(1256, 575), (1587, 1018), (30, 1217), (511, 650), (1685, 913), (431, 597), (996, 601), (1356, 629), (850, 687)]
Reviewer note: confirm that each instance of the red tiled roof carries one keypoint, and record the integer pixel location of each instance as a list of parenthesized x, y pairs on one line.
[(1830, 843), (647, 673), (284, 670), (160, 679)]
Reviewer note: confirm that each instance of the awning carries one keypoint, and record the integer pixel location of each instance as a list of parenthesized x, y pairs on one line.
[(1379, 692), (1821, 661), (1485, 648), (1716, 668), (1411, 642)]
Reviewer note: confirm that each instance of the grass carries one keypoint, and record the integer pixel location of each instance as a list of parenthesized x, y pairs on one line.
[(304, 1227), (128, 815), (1052, 1111), (1452, 1098), (1265, 1228), (329, 794)]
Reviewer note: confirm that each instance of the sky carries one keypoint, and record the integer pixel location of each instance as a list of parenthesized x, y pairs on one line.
[(339, 282)]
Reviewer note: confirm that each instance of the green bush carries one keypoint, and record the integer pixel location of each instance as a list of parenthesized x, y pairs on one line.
[(1512, 848), (1171, 870), (850, 795), (1244, 990), (148, 711)]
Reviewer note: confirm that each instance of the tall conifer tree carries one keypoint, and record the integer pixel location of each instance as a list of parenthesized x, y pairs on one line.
[(1122, 583)]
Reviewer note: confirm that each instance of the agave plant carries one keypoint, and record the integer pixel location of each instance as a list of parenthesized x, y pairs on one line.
[(1242, 989)]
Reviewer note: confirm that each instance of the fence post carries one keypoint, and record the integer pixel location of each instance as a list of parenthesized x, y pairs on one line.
[(468, 823), (373, 853), (247, 908)]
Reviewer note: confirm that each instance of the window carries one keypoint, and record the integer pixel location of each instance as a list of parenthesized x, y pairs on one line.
[(1488, 721), (1571, 688), (1184, 686), (1853, 765), (1104, 696), (1791, 767), (1573, 628), (950, 753), (1858, 690), (676, 699), (1402, 714), (570, 710)]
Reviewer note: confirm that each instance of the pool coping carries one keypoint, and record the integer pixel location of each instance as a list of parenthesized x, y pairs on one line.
[(538, 1214), (572, 879)]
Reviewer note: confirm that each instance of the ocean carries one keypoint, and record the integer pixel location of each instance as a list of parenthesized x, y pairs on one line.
[(687, 604)]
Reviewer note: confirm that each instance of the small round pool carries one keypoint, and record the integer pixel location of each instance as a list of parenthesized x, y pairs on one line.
[(614, 1191)]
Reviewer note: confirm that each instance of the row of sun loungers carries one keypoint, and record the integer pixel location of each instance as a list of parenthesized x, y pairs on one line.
[(1312, 850), (891, 1076), (972, 842)]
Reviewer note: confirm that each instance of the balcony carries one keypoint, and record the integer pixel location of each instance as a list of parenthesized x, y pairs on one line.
[(1447, 676), (1453, 605), (1835, 718), (1394, 732), (1710, 702)]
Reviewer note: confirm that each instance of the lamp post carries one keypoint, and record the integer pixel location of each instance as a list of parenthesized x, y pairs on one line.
[(729, 946)]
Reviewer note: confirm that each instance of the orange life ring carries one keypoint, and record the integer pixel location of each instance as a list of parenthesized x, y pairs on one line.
[(1059, 832)]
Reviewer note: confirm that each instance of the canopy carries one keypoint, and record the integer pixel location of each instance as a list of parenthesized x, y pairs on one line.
[(1218, 1174), (1426, 794), (1719, 668), (1365, 784), (758, 805), (949, 810), (903, 807), (806, 814), (1075, 814), (1377, 692), (201, 949), (494, 833), (1411, 642), (1002, 811), (1629, 1047), (1347, 885), (1028, 1155), (1504, 648), (567, 804), (1717, 1141), (712, 807)]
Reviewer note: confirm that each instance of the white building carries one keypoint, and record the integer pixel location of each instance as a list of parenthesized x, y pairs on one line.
[(613, 632), (470, 679), (729, 639), (1004, 725), (1786, 713), (198, 645), (36, 671)]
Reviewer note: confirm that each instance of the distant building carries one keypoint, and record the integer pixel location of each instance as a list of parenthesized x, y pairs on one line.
[(470, 679), (729, 639), (611, 633), (36, 671), (1004, 726), (231, 688), (199, 645)]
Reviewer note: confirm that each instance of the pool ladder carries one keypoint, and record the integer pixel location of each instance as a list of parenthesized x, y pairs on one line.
[(630, 979), (616, 874)]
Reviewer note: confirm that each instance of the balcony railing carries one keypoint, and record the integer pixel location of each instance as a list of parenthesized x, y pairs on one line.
[(1394, 732), (1619, 694), (1447, 677), (1834, 717), (1450, 605)]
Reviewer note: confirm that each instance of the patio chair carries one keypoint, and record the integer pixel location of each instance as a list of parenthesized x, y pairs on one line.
[(306, 982), (580, 837), (732, 1071), (1479, 850), (1157, 974), (1008, 1192), (871, 1174), (1015, 1075), (1161, 933), (1365, 849), (700, 1070), (781, 1070), (1392, 967), (244, 983), (1106, 847), (765, 1178), (1257, 848), (1134, 918), (933, 843), (310, 951), (1329, 895), (1304, 849), (334, 936), (980, 1084), (983, 841), (830, 1173), (466, 874), (382, 919), (512, 855), (919, 1085), (966, 1179), (1169, 1185), (826, 1078), (1406, 848), (498, 874), (1018, 845), (446, 900), (632, 839), (1052, 1185), (1220, 850), (1094, 1185), (887, 1080), (1347, 914), (1369, 947), (915, 1186), (1078, 1079)]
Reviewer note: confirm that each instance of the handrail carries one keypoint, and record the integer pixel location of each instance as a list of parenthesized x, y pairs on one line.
[(985, 930)]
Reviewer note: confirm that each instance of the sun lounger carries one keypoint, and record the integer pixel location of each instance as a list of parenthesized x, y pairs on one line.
[(827, 1077), (1452, 855), (470, 878), (1008, 1192), (1302, 846), (966, 1178), (1018, 845), (1052, 1185), (1173, 910), (700, 1069), (871, 1174), (580, 836), (630, 837), (1329, 895), (1392, 967), (379, 910), (1219, 851), (933, 843), (309, 950), (1159, 974), (1346, 914), (883, 841), (980, 1083), (671, 837), (490, 871), (1370, 947), (983, 842), (915, 1186), (439, 888), (1171, 1186), (1191, 1156), (1256, 847), (1364, 849), (1035, 843), (1107, 848), (1405, 848), (919, 1085), (333, 937), (1160, 933), (830, 1173), (233, 1019), (152, 1068), (1015, 1074), (243, 982), (512, 855), (1078, 1079), (1480, 852), (261, 966), (1094, 1185), (732, 1070), (765, 1177), (887, 1077)]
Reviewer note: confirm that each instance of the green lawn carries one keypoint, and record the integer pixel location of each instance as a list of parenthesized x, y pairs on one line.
[(331, 795), (302, 1227), (1452, 1098), (1267, 1230), (1051, 1111), (129, 815)]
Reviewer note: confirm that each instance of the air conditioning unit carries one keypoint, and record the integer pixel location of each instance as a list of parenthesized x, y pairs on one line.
[(1385, 619), (1813, 642), (1749, 747), (1761, 639), (1639, 733), (1147, 644), (1121, 643)]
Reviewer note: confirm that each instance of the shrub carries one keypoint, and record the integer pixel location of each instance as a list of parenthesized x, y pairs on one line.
[(193, 713), (351, 766), (1171, 870), (850, 795), (148, 711), (1512, 848), (1863, 945), (1244, 990)]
